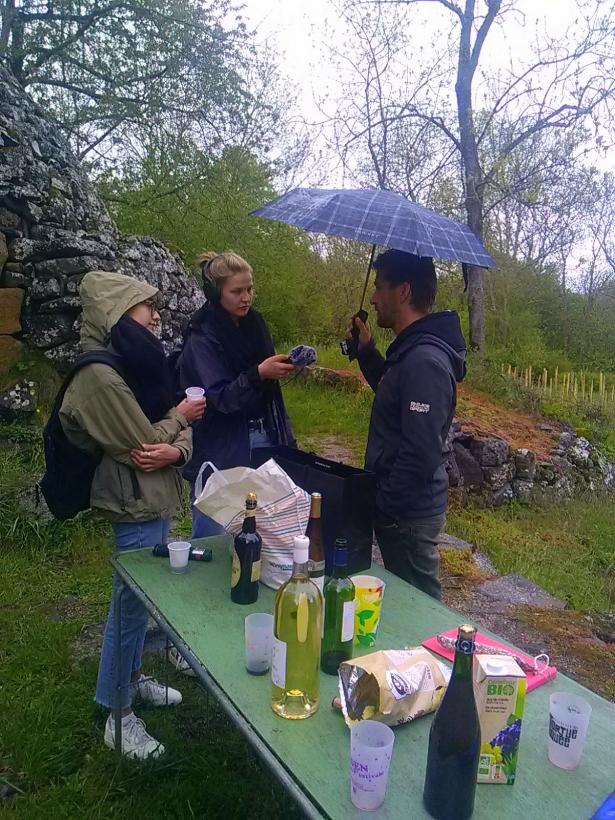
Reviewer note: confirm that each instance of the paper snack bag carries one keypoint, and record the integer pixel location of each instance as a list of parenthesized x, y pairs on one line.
[(391, 686)]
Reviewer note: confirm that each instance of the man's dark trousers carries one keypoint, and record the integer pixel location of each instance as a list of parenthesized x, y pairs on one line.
[(410, 550)]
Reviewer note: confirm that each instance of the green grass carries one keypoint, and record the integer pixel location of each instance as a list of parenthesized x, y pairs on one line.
[(50, 729), (567, 549), (317, 412), (591, 421)]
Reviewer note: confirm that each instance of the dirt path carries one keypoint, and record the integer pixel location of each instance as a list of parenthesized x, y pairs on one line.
[(481, 415)]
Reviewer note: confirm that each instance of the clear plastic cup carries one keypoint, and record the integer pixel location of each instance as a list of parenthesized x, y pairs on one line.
[(259, 642), (568, 721), (194, 393), (178, 555), (371, 748), (369, 592)]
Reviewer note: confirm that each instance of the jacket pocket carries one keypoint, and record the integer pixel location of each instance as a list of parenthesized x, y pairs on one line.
[(134, 481), (123, 498)]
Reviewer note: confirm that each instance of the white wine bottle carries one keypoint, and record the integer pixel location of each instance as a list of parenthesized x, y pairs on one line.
[(297, 628)]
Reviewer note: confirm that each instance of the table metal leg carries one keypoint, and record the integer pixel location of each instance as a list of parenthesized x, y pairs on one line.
[(167, 644), (117, 650), (274, 764)]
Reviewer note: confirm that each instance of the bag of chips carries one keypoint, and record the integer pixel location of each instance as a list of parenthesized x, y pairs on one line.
[(391, 686)]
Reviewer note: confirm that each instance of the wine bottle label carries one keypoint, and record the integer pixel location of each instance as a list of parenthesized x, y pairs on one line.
[(319, 580), (256, 570), (348, 621), (278, 663), (303, 617), (235, 570)]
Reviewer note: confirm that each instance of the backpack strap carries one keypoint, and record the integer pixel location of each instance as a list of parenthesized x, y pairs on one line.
[(93, 357)]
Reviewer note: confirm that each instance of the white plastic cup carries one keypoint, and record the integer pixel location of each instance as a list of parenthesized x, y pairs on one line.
[(371, 748), (568, 721), (259, 642), (194, 393), (178, 555)]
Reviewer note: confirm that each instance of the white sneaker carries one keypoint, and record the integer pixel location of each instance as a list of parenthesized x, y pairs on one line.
[(179, 662), (155, 693), (136, 742)]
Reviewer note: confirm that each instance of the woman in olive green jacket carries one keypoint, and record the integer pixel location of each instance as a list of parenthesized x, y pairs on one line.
[(144, 439)]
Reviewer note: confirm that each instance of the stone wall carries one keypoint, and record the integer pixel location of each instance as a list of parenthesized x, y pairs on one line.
[(54, 229), (490, 466)]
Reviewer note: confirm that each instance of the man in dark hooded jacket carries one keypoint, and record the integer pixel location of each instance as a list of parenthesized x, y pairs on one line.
[(416, 392)]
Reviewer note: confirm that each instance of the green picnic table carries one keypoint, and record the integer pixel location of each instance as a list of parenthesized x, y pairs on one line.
[(311, 757)]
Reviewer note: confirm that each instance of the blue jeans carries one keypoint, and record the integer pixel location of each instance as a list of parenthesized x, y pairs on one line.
[(203, 525), (133, 616)]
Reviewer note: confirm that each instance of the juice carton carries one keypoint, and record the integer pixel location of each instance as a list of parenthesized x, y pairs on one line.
[(499, 690)]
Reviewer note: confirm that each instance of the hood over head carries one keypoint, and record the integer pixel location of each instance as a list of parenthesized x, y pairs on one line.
[(105, 298)]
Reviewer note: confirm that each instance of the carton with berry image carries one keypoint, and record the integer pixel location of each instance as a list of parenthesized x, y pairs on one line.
[(499, 689)]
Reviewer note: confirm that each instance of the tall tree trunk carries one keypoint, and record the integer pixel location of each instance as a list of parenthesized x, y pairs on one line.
[(472, 173)]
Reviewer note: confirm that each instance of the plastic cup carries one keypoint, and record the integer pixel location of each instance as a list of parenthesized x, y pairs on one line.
[(371, 748), (568, 721), (369, 592), (178, 555), (259, 642), (194, 393)]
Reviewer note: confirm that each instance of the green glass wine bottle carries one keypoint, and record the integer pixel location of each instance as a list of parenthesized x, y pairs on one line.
[(339, 613), (246, 569), (454, 741)]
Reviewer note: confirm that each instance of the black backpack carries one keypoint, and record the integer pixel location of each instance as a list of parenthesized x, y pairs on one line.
[(69, 471)]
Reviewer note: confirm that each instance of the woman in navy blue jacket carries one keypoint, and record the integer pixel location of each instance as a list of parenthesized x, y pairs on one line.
[(228, 350)]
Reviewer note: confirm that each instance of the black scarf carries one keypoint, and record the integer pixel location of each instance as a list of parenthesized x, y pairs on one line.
[(246, 343), (144, 366)]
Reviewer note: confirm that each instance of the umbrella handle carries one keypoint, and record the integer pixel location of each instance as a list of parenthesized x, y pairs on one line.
[(350, 347)]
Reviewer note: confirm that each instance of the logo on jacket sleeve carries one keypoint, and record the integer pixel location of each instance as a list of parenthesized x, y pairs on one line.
[(419, 407)]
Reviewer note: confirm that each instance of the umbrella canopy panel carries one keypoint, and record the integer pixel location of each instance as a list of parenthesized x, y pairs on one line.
[(380, 218)]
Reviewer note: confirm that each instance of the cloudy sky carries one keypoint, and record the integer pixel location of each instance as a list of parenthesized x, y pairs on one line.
[(298, 32)]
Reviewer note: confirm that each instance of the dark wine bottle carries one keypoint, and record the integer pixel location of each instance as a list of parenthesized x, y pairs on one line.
[(338, 596), (316, 563), (454, 741), (246, 570)]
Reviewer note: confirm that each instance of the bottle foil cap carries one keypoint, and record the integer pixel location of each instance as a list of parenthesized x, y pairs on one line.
[(301, 549)]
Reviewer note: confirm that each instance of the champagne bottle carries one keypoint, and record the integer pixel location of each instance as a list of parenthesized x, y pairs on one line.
[(339, 613), (297, 627), (454, 741), (317, 550), (246, 569)]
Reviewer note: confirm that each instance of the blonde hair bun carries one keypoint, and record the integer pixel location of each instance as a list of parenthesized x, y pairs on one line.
[(221, 266)]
